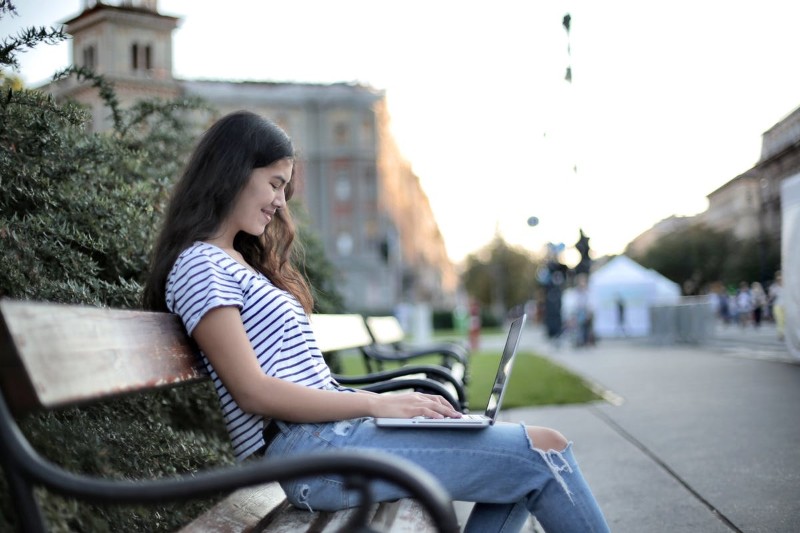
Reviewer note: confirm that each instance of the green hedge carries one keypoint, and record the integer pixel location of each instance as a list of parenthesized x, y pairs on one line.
[(77, 218), (78, 215)]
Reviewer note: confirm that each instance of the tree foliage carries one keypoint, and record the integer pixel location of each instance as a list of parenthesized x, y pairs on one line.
[(78, 210), (500, 276), (698, 256)]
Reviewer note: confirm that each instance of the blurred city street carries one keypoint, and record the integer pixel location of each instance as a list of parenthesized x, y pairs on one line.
[(693, 438)]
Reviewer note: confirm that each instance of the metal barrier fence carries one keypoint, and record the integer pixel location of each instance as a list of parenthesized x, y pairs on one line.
[(691, 321)]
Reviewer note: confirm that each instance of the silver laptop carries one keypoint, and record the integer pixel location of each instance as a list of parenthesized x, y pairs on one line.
[(495, 397)]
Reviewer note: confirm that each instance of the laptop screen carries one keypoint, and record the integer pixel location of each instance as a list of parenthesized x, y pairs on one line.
[(504, 368)]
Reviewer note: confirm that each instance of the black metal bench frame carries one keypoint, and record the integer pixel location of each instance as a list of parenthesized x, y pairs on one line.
[(25, 468)]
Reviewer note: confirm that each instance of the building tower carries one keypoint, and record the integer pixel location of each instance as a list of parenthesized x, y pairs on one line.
[(130, 44)]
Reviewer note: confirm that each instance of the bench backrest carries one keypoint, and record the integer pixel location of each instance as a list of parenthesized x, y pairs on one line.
[(386, 329), (55, 355), (340, 332)]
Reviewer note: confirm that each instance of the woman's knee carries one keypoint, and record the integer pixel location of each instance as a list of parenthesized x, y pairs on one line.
[(546, 438)]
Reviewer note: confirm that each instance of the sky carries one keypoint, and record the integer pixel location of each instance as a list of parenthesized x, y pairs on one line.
[(668, 100)]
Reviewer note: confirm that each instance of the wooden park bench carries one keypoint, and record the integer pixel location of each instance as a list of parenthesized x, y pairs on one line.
[(338, 333), (55, 355)]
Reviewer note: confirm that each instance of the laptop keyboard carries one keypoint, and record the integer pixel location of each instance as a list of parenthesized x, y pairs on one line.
[(462, 417)]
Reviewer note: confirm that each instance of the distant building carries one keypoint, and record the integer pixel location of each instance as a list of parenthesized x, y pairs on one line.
[(130, 45), (749, 205), (643, 241), (363, 200), (780, 160), (735, 206)]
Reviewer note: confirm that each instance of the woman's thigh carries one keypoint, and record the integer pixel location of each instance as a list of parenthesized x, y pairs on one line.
[(493, 465)]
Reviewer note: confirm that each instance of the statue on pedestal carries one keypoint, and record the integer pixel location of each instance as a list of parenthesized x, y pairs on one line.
[(583, 248)]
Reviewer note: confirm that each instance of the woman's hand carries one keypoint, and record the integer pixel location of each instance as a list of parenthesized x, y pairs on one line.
[(411, 404)]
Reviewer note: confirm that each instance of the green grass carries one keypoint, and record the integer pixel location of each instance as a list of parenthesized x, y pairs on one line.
[(534, 380)]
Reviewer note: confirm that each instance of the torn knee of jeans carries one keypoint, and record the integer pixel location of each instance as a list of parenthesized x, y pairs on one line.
[(301, 493), (557, 464), (555, 461)]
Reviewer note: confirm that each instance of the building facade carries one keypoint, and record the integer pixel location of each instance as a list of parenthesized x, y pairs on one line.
[(749, 205), (642, 242), (362, 198), (735, 206)]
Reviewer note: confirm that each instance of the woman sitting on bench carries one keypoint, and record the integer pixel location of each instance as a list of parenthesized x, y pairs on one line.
[(223, 263)]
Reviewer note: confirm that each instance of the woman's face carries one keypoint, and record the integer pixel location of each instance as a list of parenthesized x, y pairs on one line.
[(263, 194)]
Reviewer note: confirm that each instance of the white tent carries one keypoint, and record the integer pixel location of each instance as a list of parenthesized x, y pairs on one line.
[(623, 279)]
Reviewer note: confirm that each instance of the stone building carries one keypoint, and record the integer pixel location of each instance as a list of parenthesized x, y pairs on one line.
[(749, 205), (130, 45), (735, 206), (643, 241), (362, 198)]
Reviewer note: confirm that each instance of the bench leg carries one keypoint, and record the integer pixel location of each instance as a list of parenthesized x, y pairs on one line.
[(24, 503)]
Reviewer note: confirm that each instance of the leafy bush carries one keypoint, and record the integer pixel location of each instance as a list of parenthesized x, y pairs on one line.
[(78, 214), (77, 217)]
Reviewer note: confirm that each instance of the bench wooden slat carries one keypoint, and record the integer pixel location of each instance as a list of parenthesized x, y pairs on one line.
[(401, 516), (242, 510), (386, 329), (340, 332), (264, 508), (77, 353)]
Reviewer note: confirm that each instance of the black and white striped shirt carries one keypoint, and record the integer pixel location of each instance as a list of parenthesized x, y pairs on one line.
[(205, 277)]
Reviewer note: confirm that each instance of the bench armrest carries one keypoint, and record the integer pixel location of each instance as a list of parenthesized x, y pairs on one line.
[(449, 353), (394, 378), (428, 386)]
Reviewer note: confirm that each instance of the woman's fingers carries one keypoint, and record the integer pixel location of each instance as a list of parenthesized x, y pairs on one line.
[(417, 404), (442, 407)]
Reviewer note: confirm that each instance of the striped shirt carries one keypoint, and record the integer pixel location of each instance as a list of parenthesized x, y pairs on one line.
[(205, 277)]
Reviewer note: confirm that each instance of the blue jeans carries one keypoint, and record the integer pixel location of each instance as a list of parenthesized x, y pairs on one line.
[(497, 467)]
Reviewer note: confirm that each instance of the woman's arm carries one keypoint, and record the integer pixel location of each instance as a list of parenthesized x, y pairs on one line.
[(222, 337)]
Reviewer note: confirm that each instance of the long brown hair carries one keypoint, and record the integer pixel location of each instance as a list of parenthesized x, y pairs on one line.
[(204, 195)]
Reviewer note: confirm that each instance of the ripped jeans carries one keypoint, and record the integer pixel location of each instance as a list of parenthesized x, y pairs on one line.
[(497, 467)]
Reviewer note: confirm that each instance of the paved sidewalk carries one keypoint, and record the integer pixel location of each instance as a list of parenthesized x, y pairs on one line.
[(703, 439)]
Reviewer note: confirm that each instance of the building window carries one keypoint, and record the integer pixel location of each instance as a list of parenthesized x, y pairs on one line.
[(88, 57), (141, 57), (370, 185), (367, 131), (343, 188), (344, 244), (340, 133)]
